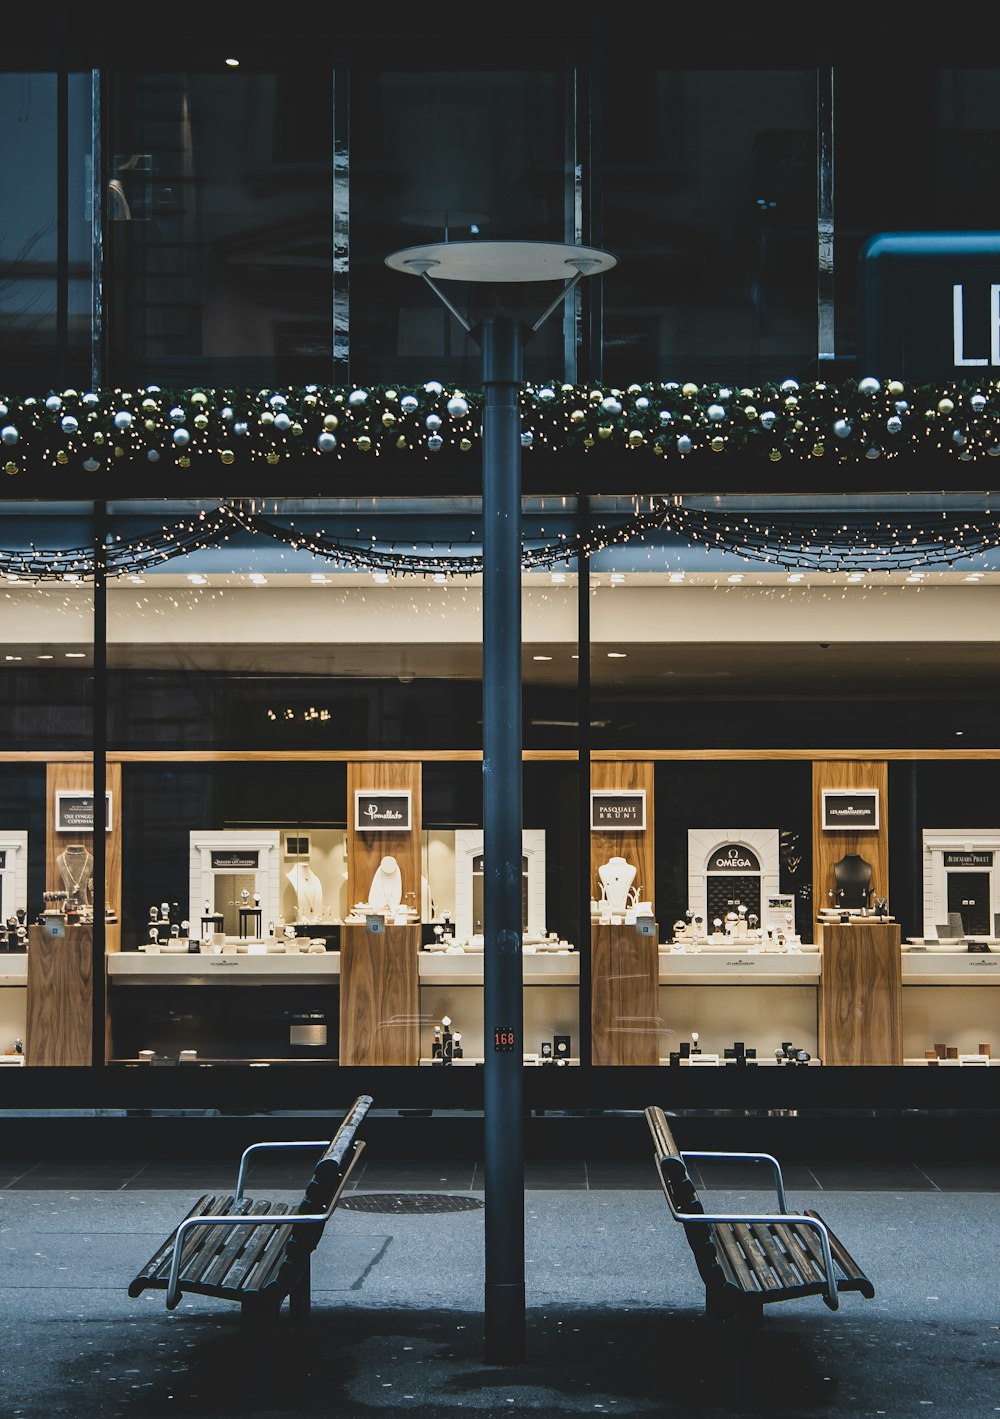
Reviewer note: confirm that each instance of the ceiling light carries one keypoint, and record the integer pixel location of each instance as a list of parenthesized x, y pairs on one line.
[(45, 657), (736, 576), (232, 63), (196, 579), (973, 576), (258, 578), (796, 576), (557, 578), (676, 577), (137, 580), (319, 579), (617, 578), (381, 577), (916, 576), (534, 657), (617, 654), (440, 577), (76, 655), (12, 657)]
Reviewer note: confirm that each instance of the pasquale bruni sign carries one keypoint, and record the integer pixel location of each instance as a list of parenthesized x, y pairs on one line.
[(850, 808), (382, 810), (618, 809)]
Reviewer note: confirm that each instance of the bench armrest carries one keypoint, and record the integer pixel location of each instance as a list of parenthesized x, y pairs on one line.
[(246, 1219), (779, 1183), (241, 1176), (831, 1296)]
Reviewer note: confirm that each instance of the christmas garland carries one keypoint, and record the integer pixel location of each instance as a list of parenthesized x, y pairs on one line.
[(195, 428)]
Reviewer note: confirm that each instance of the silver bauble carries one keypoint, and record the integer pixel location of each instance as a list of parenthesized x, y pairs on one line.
[(90, 400), (959, 438), (869, 385), (432, 387), (53, 403), (894, 424), (715, 413), (458, 407), (665, 417), (977, 403), (68, 424), (177, 415), (123, 419), (326, 442), (527, 439), (789, 386), (684, 444), (239, 428), (768, 419), (91, 465), (277, 401), (226, 414), (873, 451), (357, 397), (546, 395), (642, 402), (9, 434), (433, 422), (181, 437), (842, 429), (153, 455), (435, 443), (610, 405), (409, 404), (282, 422)]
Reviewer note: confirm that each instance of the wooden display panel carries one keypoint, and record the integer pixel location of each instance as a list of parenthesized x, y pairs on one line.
[(830, 846), (634, 845), (625, 1023), (860, 993), (77, 777), (60, 995), (379, 996), (365, 850)]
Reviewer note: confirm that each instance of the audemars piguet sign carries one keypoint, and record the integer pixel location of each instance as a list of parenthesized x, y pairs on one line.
[(931, 305), (851, 808), (968, 859), (382, 810), (617, 810)]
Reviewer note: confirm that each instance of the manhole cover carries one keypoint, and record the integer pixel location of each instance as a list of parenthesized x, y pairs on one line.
[(410, 1202)]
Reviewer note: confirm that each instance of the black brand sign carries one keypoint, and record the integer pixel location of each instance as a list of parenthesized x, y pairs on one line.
[(618, 809), (383, 811), (968, 859), (855, 808), (931, 305), (235, 860), (733, 857), (75, 812)]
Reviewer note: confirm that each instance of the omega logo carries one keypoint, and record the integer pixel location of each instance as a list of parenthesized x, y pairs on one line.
[(733, 859)]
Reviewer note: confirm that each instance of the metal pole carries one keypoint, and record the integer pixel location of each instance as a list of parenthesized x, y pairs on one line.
[(501, 341)]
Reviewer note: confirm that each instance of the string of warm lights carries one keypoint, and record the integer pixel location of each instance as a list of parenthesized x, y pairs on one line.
[(778, 540), (102, 430)]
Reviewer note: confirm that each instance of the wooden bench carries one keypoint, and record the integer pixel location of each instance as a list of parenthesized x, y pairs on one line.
[(748, 1260), (247, 1249)]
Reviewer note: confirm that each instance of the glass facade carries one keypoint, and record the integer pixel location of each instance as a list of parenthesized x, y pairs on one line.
[(737, 688)]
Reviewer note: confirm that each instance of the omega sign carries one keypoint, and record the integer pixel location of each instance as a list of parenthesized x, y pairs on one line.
[(733, 857), (931, 305), (382, 811)]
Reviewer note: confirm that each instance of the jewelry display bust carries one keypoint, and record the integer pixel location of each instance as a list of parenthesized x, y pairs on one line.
[(76, 868), (308, 890), (386, 891), (853, 876), (616, 877)]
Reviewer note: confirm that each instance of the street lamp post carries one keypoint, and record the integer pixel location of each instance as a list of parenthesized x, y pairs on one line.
[(501, 340)]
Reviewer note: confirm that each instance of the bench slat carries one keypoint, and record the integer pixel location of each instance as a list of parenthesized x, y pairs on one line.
[(731, 1254), (852, 1271), (155, 1272), (267, 1242), (759, 1263), (224, 1248), (776, 1255), (798, 1243)]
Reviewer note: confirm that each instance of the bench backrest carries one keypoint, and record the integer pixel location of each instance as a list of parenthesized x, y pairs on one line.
[(328, 1174), (680, 1190)]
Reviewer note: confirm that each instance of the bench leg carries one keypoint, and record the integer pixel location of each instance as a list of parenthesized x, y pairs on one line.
[(299, 1298)]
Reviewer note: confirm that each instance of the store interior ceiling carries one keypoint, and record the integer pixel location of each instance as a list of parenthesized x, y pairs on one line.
[(665, 617)]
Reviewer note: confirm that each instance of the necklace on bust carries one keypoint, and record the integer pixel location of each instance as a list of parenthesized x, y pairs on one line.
[(75, 879)]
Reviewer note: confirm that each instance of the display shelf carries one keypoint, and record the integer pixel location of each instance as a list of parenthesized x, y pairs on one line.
[(764, 1063), (276, 968), (529, 1061), (546, 968), (14, 969), (973, 1063), (739, 968), (950, 968)]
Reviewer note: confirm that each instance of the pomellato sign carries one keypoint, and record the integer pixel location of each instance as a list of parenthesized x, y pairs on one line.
[(382, 810)]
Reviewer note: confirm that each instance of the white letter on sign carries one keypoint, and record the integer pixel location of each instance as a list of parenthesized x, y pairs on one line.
[(958, 340)]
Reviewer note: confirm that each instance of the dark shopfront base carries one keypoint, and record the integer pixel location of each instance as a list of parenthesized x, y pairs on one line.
[(796, 1113)]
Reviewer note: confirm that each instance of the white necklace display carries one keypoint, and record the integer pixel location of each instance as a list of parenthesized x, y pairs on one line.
[(308, 889), (386, 891), (76, 868), (617, 876)]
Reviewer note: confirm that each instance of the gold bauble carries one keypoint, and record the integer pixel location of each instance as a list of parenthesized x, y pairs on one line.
[(273, 458), (10, 468), (896, 388), (945, 406), (401, 441), (791, 402), (566, 389), (364, 443), (588, 442), (310, 401), (201, 421), (338, 399), (718, 444), (227, 455), (465, 445), (119, 451), (635, 438), (596, 395), (183, 461), (775, 455), (62, 456), (605, 431), (635, 389), (818, 450), (750, 411), (149, 425), (388, 419), (689, 390), (799, 425), (296, 429), (149, 406), (391, 396), (199, 398), (577, 416), (330, 421), (746, 394), (98, 437), (267, 417)]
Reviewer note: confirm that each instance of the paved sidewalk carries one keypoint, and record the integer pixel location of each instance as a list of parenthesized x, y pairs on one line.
[(614, 1314)]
